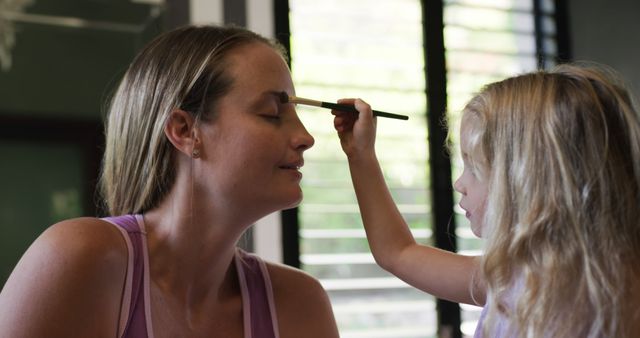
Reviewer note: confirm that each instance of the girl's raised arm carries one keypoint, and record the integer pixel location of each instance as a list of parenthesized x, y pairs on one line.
[(441, 273)]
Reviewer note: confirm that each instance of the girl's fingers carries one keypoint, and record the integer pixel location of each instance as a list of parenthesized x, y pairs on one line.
[(347, 101), (338, 122), (340, 112), (362, 107), (359, 104), (345, 121), (343, 118)]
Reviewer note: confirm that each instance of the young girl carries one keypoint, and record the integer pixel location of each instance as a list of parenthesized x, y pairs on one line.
[(551, 181), (198, 148)]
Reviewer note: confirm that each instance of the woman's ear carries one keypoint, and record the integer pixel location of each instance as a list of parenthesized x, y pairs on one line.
[(182, 133)]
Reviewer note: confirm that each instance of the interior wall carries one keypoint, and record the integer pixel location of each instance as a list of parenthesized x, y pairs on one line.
[(64, 60), (59, 62), (66, 55), (607, 31)]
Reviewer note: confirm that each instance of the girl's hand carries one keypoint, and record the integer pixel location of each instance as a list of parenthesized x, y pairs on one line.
[(357, 132)]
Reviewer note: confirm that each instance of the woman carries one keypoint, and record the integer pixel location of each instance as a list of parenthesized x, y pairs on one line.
[(198, 148)]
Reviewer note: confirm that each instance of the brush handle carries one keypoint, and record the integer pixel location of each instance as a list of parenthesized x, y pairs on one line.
[(352, 109)]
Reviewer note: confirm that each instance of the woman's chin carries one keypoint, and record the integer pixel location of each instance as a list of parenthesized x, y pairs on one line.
[(294, 201)]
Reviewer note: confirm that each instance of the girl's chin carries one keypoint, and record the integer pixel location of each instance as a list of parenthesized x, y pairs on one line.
[(477, 230)]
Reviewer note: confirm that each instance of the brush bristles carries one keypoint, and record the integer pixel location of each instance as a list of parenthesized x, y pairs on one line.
[(300, 100), (284, 97)]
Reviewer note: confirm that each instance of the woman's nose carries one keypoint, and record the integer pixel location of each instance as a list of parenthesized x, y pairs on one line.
[(302, 140)]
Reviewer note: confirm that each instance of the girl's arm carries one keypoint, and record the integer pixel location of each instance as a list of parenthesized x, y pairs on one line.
[(441, 273)]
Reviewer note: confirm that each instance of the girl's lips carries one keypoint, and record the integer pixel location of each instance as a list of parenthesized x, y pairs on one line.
[(466, 212)]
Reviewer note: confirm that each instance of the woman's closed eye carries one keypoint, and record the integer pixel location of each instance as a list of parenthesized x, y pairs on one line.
[(273, 116)]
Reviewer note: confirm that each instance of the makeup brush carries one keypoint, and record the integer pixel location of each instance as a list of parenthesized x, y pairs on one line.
[(286, 98)]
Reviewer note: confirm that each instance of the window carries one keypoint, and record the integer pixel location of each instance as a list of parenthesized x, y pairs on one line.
[(353, 48), (373, 52)]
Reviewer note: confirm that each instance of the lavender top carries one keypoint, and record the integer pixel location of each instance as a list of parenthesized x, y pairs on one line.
[(258, 306)]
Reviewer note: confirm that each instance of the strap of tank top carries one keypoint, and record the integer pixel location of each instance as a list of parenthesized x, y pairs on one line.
[(132, 315), (257, 297)]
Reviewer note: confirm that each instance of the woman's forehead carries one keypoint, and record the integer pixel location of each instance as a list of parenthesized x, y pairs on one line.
[(258, 66)]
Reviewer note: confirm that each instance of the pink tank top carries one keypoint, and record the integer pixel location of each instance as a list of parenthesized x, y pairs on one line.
[(258, 307)]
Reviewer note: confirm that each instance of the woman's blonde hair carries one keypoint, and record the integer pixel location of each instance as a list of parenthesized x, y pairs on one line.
[(562, 150), (185, 69)]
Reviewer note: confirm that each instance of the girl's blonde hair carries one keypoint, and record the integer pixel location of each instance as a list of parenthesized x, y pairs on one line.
[(182, 69), (562, 153)]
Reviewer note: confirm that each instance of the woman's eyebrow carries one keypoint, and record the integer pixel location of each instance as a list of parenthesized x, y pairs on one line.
[(281, 96), (265, 97)]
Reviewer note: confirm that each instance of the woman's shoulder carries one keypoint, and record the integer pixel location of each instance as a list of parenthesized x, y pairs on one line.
[(90, 248), (84, 238), (74, 268), (288, 279), (302, 304), (86, 248)]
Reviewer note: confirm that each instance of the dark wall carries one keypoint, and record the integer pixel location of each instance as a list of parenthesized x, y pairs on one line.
[(608, 31), (66, 58), (69, 53)]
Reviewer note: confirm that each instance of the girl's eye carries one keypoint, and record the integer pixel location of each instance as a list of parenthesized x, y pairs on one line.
[(468, 167)]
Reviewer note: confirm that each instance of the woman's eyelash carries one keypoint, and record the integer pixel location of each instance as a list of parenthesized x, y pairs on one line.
[(275, 116)]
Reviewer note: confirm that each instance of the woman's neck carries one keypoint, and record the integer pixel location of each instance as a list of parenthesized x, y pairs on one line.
[(190, 251)]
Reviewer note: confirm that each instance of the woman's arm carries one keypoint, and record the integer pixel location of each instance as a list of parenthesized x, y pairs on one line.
[(68, 284), (441, 273)]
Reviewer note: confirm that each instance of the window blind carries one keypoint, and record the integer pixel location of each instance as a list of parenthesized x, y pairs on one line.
[(351, 48)]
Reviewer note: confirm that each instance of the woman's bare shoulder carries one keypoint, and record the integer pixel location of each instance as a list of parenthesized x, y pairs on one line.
[(72, 273), (90, 242), (303, 306)]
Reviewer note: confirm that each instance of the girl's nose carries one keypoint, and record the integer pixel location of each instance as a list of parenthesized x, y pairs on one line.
[(458, 186)]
